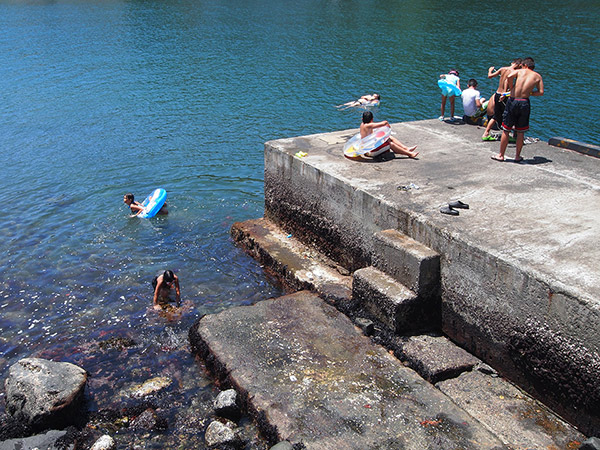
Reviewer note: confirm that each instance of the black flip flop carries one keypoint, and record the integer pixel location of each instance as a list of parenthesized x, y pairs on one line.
[(458, 204), (448, 210)]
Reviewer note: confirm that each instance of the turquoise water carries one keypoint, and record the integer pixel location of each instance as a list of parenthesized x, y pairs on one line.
[(102, 98)]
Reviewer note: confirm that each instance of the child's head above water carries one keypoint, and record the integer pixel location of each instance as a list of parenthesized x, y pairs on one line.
[(168, 276), (128, 199)]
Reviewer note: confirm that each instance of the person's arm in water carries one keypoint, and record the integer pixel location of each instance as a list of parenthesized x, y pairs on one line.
[(136, 208), (177, 293), (159, 283)]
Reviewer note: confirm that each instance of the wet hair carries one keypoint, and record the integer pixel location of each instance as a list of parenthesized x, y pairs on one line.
[(129, 197), (168, 276), (453, 71), (378, 96), (472, 82), (367, 117), (529, 62)]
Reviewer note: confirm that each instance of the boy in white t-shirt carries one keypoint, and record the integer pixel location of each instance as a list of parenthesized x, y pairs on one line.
[(472, 104)]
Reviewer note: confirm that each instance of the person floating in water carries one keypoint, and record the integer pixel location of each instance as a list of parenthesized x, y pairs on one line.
[(365, 100), (367, 126), (162, 285), (136, 207)]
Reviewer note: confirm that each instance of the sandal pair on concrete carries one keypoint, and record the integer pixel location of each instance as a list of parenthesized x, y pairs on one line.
[(452, 207)]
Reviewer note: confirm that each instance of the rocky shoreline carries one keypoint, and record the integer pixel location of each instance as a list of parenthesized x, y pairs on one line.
[(48, 407)]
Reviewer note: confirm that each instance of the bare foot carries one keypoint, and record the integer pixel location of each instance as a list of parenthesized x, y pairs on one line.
[(498, 158), (414, 154), (412, 148)]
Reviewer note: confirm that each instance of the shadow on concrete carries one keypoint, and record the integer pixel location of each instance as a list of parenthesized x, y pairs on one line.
[(537, 160)]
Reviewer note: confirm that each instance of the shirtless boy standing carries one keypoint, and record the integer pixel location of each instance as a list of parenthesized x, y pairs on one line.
[(527, 82), (501, 94)]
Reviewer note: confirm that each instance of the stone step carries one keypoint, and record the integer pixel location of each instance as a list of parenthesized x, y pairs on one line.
[(433, 356), (307, 375), (378, 296), (520, 421), (297, 266), (408, 261)]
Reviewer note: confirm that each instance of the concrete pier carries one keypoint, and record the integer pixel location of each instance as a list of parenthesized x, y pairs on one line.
[(519, 279), (511, 283)]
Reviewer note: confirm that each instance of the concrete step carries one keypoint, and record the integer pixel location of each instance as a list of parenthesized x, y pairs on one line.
[(295, 265), (433, 356), (408, 261), (378, 296), (520, 421), (308, 375)]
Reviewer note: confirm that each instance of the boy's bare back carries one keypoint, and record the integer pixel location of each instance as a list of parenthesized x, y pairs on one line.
[(526, 81)]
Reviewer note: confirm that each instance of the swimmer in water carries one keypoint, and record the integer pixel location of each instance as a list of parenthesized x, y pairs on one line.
[(365, 100), (162, 285), (136, 207)]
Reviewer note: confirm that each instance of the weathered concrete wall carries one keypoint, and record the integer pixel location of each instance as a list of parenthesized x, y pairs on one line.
[(534, 318)]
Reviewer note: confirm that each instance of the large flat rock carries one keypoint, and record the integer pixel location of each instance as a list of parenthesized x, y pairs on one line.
[(310, 376)]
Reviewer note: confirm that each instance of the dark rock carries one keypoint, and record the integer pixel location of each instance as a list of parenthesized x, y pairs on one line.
[(117, 343), (80, 438), (225, 405), (47, 441), (366, 325), (11, 428), (45, 394), (592, 443), (148, 420)]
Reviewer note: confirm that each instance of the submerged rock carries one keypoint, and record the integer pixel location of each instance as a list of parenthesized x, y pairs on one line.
[(148, 420), (104, 443), (149, 387), (45, 394), (283, 445), (117, 343)]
